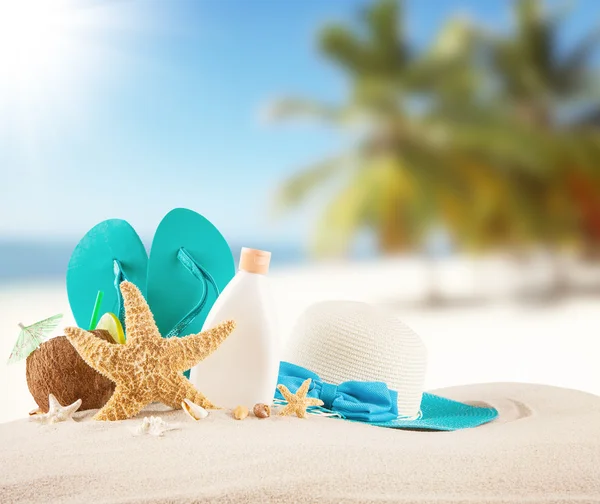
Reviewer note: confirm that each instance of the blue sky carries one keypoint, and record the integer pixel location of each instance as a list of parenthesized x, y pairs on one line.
[(151, 105)]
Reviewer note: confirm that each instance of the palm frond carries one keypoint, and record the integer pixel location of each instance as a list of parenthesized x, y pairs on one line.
[(298, 187), (342, 218), (378, 47), (574, 73), (389, 51), (339, 44), (296, 108)]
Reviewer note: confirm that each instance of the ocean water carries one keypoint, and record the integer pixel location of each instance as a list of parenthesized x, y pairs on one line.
[(40, 260)]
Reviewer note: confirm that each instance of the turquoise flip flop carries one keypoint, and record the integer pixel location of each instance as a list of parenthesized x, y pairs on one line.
[(109, 253), (190, 264)]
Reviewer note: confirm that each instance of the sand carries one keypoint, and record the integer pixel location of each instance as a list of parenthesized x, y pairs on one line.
[(544, 448)]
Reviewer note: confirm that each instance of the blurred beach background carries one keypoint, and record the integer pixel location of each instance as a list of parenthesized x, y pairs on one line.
[(438, 158)]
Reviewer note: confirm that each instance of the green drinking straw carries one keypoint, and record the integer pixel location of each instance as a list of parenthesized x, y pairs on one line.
[(96, 312)]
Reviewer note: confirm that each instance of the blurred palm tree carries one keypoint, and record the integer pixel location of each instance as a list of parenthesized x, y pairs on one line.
[(421, 157), (536, 80), (466, 134), (398, 177), (540, 86)]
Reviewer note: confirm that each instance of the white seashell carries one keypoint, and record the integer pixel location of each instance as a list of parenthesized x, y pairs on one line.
[(153, 426), (194, 411)]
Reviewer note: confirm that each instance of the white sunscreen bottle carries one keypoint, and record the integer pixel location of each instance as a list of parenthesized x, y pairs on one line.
[(245, 367)]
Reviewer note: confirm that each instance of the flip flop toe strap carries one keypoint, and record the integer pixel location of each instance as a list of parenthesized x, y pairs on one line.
[(201, 274), (120, 276)]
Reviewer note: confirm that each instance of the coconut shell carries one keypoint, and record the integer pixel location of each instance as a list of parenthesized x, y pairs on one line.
[(56, 368)]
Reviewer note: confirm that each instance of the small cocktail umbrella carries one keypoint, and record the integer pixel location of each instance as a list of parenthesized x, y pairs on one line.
[(31, 337)]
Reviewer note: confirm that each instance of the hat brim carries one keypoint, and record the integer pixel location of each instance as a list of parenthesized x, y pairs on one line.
[(441, 414)]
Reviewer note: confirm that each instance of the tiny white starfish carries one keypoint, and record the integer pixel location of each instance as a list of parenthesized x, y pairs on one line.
[(57, 412)]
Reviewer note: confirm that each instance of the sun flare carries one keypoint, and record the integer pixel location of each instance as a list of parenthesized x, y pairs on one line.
[(32, 41), (53, 61)]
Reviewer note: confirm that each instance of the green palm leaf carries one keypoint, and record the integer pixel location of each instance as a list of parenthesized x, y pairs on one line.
[(295, 190), (295, 108)]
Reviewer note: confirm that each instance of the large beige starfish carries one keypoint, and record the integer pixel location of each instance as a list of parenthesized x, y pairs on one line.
[(298, 402), (147, 367)]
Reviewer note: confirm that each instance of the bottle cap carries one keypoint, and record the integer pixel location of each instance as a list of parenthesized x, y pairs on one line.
[(255, 261)]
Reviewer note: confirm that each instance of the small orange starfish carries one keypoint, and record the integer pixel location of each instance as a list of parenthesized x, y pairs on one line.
[(298, 402)]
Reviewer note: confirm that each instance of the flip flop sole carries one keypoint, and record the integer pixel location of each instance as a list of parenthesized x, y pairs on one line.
[(92, 267), (172, 290)]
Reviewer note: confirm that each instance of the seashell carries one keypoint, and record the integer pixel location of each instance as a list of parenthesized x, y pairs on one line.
[(194, 411), (240, 412), (262, 410), (153, 426)]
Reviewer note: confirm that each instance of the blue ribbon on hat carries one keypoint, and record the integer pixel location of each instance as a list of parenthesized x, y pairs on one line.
[(354, 400)]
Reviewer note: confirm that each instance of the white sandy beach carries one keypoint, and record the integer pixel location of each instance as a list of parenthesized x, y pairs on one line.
[(497, 341), (544, 448)]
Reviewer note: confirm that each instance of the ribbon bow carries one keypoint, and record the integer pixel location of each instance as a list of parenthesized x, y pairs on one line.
[(353, 400)]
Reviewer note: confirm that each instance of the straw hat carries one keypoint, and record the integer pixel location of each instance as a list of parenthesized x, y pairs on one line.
[(344, 341)]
